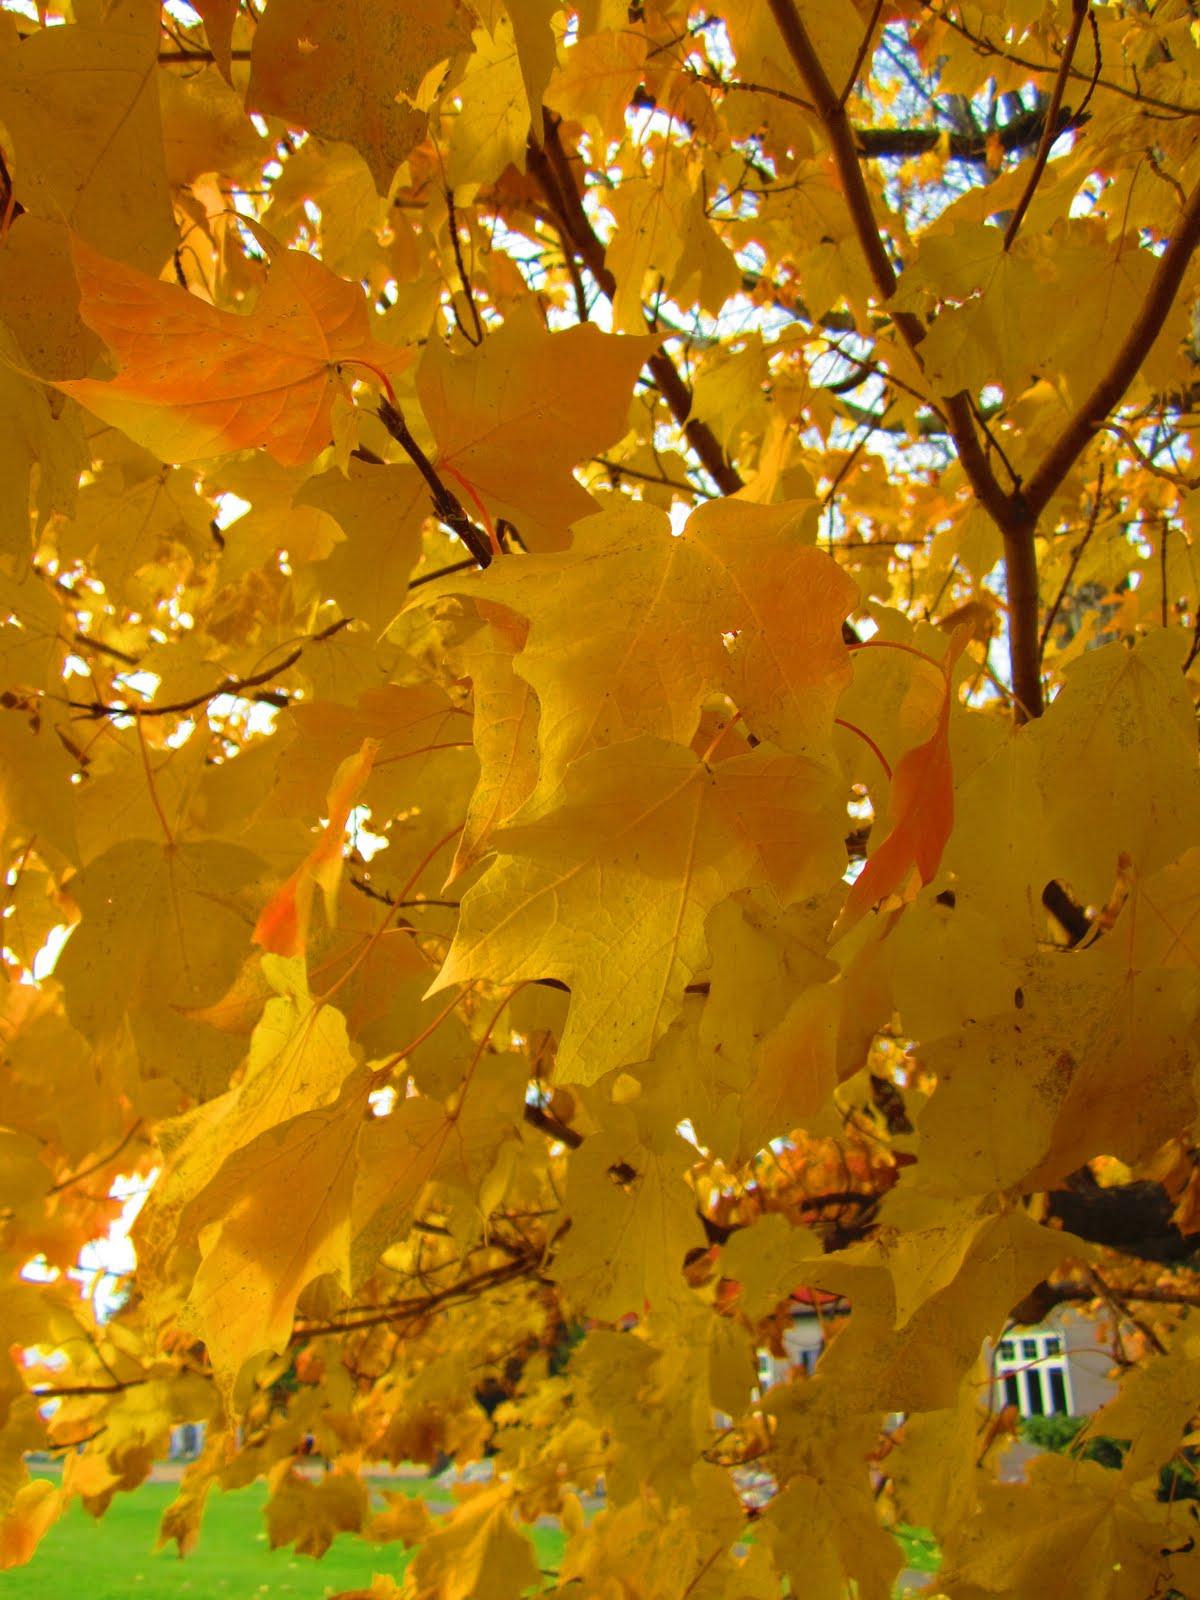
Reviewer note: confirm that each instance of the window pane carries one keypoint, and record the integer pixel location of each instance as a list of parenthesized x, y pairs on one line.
[(1011, 1396), (1053, 1345), (1029, 1349), (1035, 1407), (1007, 1349), (1058, 1391)]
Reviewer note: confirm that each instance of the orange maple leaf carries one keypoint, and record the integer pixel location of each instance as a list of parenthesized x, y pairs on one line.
[(922, 810), (282, 926), (195, 381)]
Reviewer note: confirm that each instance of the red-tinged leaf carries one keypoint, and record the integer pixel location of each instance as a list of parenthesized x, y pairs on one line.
[(282, 926), (195, 381), (922, 811)]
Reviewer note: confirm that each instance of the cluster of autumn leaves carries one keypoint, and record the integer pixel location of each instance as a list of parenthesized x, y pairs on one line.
[(682, 936)]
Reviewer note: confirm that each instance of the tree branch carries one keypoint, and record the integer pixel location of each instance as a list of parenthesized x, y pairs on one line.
[(1018, 531), (446, 503), (199, 56), (232, 686), (861, 54), (1135, 347), (421, 1305), (832, 114), (1077, 1289), (879, 144), (88, 1389), (1009, 513), (1072, 918), (546, 1122), (1015, 513), (957, 408), (1133, 1218), (551, 167), (892, 144), (1042, 154)]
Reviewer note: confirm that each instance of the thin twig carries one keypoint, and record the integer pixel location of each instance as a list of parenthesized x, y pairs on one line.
[(1096, 70), (230, 686), (386, 899), (200, 57), (444, 572), (82, 1389), (618, 469), (986, 47), (1076, 554), (391, 1311), (994, 441), (861, 56), (86, 640), (1042, 155), (463, 279), (104, 1161), (233, 686), (1119, 1306)]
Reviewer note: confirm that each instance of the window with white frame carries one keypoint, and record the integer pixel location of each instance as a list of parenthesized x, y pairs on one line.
[(1031, 1374)]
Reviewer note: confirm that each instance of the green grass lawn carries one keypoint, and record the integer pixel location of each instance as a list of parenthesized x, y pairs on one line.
[(115, 1558)]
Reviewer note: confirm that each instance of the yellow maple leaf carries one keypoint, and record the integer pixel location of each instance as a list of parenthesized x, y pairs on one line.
[(1155, 1407), (35, 1508), (161, 934), (676, 619), (81, 105), (426, 1140), (954, 1284), (275, 1217), (1072, 1528), (633, 1220), (647, 831), (490, 130), (380, 510), (505, 729), (311, 1515), (477, 1553), (511, 419), (351, 71), (1117, 763)]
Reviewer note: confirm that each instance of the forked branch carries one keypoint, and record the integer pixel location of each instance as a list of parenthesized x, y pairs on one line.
[(1016, 510), (832, 112), (1134, 348)]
